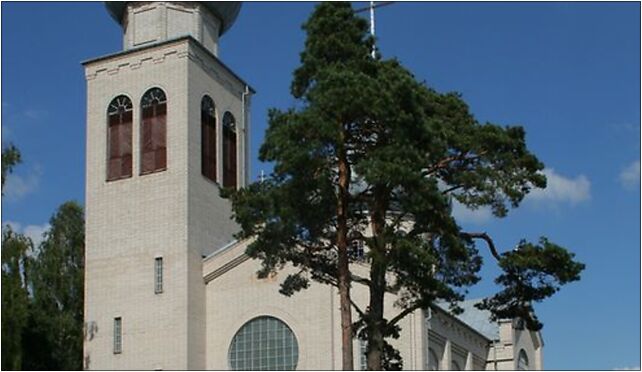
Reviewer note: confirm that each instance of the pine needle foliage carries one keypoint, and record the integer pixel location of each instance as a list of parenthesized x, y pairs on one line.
[(408, 152)]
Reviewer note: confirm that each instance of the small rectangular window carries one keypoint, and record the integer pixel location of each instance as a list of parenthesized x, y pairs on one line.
[(158, 275), (118, 335)]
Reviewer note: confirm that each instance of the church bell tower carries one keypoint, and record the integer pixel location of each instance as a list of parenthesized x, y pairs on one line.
[(167, 127)]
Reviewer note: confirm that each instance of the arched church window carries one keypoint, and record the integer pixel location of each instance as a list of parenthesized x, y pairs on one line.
[(264, 343), (363, 355), (119, 138), (229, 150), (522, 361), (433, 360), (208, 138), (153, 131), (454, 366)]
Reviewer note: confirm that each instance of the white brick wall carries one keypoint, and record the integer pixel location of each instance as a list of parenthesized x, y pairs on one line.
[(152, 22), (175, 213)]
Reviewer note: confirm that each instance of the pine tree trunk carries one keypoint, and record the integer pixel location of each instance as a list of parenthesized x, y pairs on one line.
[(375, 321), (344, 269)]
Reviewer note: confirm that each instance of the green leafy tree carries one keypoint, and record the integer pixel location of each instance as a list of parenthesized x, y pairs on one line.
[(56, 279), (15, 298), (10, 158), (372, 156)]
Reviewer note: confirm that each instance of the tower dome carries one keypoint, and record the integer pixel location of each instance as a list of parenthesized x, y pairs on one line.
[(146, 23), (225, 11)]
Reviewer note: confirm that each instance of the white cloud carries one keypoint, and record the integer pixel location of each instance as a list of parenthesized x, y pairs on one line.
[(476, 216), (630, 176), (34, 114), (560, 189), (34, 232), (627, 369), (17, 185)]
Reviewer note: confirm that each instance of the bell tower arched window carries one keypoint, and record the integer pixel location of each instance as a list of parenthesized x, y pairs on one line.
[(153, 131), (119, 138), (208, 138), (229, 151)]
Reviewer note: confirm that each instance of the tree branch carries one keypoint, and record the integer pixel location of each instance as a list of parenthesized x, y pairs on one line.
[(443, 163), (360, 279), (361, 313), (489, 241), (452, 189), (402, 314)]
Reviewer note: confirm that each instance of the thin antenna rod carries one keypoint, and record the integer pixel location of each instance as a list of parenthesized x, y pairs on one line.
[(371, 8), (372, 27)]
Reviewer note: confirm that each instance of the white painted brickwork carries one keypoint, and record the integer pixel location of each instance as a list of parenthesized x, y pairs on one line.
[(177, 214), (145, 23)]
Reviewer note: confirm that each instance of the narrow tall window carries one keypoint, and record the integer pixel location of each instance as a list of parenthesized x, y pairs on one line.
[(363, 355), (356, 251), (229, 150), (119, 138), (118, 335), (208, 138), (153, 131), (522, 361), (158, 275)]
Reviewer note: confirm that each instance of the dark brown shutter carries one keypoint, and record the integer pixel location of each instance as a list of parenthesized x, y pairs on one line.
[(208, 145), (229, 161), (126, 144), (212, 147), (159, 137), (147, 151), (113, 171), (204, 142), (119, 143)]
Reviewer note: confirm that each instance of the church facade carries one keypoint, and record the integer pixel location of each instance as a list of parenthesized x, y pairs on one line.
[(166, 285)]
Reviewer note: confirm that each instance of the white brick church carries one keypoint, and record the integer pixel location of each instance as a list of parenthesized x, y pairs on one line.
[(166, 286)]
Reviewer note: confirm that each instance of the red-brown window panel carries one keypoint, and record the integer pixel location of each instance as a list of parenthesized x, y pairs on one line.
[(119, 143), (154, 131), (229, 151), (208, 138)]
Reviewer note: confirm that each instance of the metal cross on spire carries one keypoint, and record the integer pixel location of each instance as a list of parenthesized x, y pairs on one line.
[(371, 8)]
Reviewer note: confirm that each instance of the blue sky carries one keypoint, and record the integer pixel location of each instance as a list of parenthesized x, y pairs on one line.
[(568, 72)]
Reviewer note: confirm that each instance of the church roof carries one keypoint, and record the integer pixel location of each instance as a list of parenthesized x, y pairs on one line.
[(226, 11), (477, 319)]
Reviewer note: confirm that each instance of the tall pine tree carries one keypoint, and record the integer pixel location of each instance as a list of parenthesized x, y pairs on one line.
[(371, 156)]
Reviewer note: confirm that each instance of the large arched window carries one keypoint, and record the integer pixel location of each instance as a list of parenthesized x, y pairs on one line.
[(208, 138), (264, 343), (522, 361), (433, 360), (229, 150), (119, 138), (454, 366), (153, 131)]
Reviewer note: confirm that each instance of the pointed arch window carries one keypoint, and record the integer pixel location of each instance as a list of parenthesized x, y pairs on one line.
[(153, 131), (208, 138), (229, 151), (119, 138), (522, 361)]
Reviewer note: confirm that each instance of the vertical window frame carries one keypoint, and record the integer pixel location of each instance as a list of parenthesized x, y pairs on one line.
[(158, 275), (118, 335), (153, 131), (209, 139), (363, 355), (119, 151), (230, 151)]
